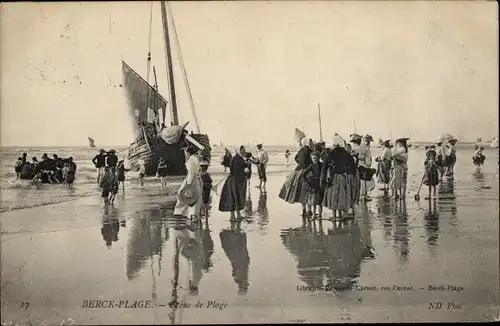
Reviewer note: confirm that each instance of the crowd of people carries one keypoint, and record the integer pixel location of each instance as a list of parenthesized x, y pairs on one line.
[(341, 177), (110, 174), (56, 170)]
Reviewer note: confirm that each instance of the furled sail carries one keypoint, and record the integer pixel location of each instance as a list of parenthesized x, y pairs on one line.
[(144, 101), (91, 142)]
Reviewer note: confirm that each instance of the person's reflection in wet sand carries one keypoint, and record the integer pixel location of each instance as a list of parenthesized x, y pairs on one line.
[(402, 233), (385, 212), (307, 247), (145, 240), (447, 199), (234, 244), (248, 209), (110, 227), (191, 247), (262, 211), (345, 250), (208, 248), (431, 226)]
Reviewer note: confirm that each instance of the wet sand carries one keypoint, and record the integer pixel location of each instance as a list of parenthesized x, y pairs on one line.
[(57, 256)]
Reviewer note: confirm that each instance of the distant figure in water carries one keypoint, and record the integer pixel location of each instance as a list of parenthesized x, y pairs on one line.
[(121, 174), (18, 167), (69, 172), (162, 172), (287, 157), (478, 158), (105, 185)]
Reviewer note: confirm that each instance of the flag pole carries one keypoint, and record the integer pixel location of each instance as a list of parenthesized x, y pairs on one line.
[(320, 129)]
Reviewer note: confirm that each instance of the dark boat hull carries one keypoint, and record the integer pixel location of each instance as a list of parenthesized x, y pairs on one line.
[(172, 153)]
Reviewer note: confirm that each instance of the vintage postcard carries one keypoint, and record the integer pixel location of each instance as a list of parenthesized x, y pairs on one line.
[(205, 162)]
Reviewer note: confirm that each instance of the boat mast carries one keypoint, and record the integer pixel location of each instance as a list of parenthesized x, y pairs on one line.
[(320, 129), (354, 123), (168, 59)]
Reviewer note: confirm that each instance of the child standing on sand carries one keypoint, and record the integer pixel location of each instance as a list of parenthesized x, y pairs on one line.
[(207, 187), (105, 185), (312, 175), (114, 185), (162, 172), (431, 174), (121, 174), (142, 172)]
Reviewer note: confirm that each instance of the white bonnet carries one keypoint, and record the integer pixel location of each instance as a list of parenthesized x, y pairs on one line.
[(305, 141), (338, 141)]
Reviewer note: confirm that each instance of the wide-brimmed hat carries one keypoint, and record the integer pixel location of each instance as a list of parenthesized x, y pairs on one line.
[(112, 151), (386, 142), (368, 138), (188, 195), (355, 137), (439, 140), (101, 150), (403, 141)]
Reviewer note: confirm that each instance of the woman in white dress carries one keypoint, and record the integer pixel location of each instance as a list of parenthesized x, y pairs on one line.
[(193, 178)]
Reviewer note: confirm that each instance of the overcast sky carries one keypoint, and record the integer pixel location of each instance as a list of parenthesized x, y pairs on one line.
[(256, 69)]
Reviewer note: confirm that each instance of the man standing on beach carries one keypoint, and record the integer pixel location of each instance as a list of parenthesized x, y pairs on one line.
[(100, 162), (262, 158)]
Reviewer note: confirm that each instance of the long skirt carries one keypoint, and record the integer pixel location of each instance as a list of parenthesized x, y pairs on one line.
[(338, 195), (354, 186), (295, 188), (384, 171), (233, 195), (399, 176), (186, 210), (431, 176)]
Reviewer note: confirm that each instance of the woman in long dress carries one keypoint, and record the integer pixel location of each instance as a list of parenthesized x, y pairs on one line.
[(193, 178), (385, 165), (353, 180), (294, 189), (334, 176), (232, 198), (451, 157), (364, 166), (400, 159)]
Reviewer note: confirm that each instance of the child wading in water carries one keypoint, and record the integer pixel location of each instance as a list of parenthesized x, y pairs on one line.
[(207, 187), (478, 158), (114, 185), (69, 172), (121, 174), (431, 176), (162, 172), (105, 185), (312, 175), (19, 167)]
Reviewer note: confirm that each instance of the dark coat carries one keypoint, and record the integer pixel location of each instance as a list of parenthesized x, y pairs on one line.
[(337, 161), (303, 158), (237, 168)]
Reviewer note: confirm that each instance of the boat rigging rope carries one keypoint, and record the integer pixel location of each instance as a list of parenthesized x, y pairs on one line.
[(181, 61), (149, 42)]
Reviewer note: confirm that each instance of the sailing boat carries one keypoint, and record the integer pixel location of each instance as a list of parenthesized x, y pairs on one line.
[(91, 142), (153, 139)]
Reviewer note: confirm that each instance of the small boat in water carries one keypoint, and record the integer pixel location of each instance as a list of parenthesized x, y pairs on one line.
[(91, 142), (153, 138)]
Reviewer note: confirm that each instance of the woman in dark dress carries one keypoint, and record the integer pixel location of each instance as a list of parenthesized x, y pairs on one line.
[(295, 189), (121, 174), (312, 175), (232, 198), (334, 177)]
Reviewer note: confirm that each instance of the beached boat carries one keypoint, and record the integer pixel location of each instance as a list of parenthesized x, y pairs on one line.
[(149, 111), (494, 143), (91, 142)]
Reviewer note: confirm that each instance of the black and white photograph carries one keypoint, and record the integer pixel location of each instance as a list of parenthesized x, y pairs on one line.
[(236, 162)]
